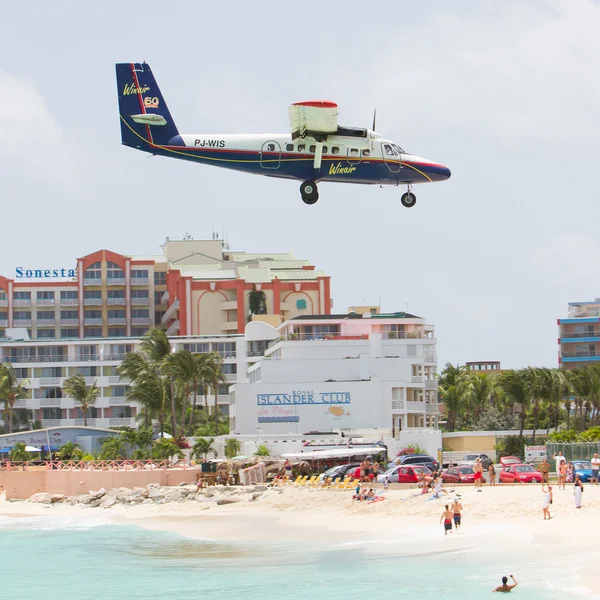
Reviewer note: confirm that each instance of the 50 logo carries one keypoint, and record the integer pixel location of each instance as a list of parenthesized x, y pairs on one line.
[(151, 102)]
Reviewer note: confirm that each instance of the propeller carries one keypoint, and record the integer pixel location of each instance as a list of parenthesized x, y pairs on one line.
[(374, 117)]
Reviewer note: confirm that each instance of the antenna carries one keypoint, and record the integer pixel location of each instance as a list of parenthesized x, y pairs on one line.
[(374, 117)]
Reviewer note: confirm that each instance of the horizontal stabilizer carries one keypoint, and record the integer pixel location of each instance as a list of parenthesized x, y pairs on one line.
[(149, 119)]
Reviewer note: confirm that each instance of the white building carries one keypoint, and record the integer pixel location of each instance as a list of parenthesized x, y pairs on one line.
[(341, 372)]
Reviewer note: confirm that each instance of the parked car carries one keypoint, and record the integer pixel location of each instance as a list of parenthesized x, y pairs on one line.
[(520, 474), (470, 460), (462, 474), (416, 459), (505, 461), (346, 470), (583, 468), (404, 474)]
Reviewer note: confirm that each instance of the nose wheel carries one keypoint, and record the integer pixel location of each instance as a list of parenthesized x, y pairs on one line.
[(309, 192), (408, 199)]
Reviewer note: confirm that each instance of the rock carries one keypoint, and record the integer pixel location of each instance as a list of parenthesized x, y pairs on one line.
[(221, 501), (140, 491), (135, 499), (147, 501), (108, 501), (41, 498), (112, 492), (183, 483), (96, 495), (58, 498), (152, 486), (184, 492), (256, 495), (73, 500), (85, 499), (124, 490), (259, 488), (174, 496), (94, 503), (156, 494)]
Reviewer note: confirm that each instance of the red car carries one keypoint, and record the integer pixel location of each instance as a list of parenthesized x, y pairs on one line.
[(520, 474), (462, 474), (505, 461), (400, 474)]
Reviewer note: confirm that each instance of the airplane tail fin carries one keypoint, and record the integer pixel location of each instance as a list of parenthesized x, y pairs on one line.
[(145, 117)]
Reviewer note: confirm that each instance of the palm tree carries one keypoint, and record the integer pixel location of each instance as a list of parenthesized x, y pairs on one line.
[(481, 388), (551, 387), (517, 386), (214, 376), (19, 453), (76, 387), (232, 447), (11, 389), (262, 450), (583, 388), (203, 446), (150, 390), (453, 387), (70, 451)]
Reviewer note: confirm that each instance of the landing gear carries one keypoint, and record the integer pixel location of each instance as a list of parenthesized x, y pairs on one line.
[(408, 199), (309, 192)]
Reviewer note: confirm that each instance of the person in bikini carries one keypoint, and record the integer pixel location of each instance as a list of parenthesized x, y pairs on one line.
[(505, 587), (447, 518), (478, 468), (456, 508)]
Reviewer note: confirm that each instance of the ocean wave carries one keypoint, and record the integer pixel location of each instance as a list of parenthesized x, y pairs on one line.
[(52, 523)]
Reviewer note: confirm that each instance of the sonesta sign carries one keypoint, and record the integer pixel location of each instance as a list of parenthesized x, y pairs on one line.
[(23, 273)]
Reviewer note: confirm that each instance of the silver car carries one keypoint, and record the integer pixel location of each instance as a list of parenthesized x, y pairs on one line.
[(470, 459)]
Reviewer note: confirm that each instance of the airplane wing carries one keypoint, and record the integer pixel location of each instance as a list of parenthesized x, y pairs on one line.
[(316, 118)]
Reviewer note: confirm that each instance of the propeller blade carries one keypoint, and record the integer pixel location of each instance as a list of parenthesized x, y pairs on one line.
[(374, 117)]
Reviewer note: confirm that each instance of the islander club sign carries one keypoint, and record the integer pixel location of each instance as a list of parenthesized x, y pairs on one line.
[(23, 273)]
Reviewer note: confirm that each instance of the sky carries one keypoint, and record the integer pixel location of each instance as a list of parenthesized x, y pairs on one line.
[(506, 94)]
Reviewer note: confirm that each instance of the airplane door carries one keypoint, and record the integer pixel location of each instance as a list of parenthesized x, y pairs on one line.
[(353, 156), (391, 157), (270, 155)]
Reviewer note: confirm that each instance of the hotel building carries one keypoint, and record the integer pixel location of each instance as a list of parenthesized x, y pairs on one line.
[(579, 335), (328, 372)]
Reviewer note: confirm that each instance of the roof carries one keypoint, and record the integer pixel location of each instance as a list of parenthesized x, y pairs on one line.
[(398, 315), (337, 453)]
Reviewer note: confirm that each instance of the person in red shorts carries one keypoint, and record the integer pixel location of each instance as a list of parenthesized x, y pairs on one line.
[(478, 468)]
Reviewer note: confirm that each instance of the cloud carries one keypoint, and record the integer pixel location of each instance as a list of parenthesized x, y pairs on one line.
[(508, 70), (30, 140), (569, 258)]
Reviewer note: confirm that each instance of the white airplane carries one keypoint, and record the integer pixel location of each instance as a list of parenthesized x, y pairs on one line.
[(316, 149)]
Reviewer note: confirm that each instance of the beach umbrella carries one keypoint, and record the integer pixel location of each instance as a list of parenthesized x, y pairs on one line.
[(32, 449), (240, 457)]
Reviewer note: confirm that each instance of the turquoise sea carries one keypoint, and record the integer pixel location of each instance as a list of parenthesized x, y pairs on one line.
[(88, 558)]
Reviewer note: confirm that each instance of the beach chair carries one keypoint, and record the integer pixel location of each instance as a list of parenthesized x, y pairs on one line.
[(312, 481), (342, 484), (302, 481), (348, 484), (297, 480), (334, 483)]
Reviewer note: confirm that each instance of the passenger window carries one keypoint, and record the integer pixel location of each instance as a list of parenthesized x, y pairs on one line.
[(353, 152), (312, 149), (289, 147), (301, 147), (366, 153), (335, 150), (271, 147), (324, 149)]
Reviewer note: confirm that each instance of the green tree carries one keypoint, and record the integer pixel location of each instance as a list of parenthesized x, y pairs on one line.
[(480, 390), (76, 387), (519, 389), (203, 447), (19, 454), (232, 447), (262, 450), (113, 448), (70, 451), (11, 390), (453, 388), (165, 449)]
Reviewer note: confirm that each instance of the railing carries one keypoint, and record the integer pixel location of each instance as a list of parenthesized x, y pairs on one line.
[(45, 302), (115, 281), (429, 359), (586, 334), (319, 336), (50, 380), (397, 404), (252, 353), (164, 298), (92, 281), (51, 422), (117, 321), (173, 328), (416, 379), (589, 313), (140, 321), (69, 301), (34, 359), (433, 408), (416, 406), (92, 301), (46, 322), (401, 335), (140, 281), (140, 301), (96, 465), (91, 422), (92, 321), (120, 421), (113, 356), (3, 322), (22, 322), (580, 354), (49, 401), (431, 384), (118, 401), (116, 301), (118, 380), (20, 403), (22, 302), (69, 321), (170, 311), (3, 301), (90, 380)]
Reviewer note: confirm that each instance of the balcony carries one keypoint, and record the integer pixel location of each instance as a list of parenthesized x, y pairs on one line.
[(92, 321), (22, 322), (140, 301), (311, 337), (116, 380), (402, 335), (433, 408), (431, 384), (164, 298), (117, 301), (91, 422), (121, 422), (117, 321), (118, 401), (92, 301), (416, 379), (116, 281), (50, 380), (418, 407), (3, 322), (397, 405), (46, 323), (140, 321), (170, 312), (230, 325), (69, 321), (173, 328), (23, 302), (430, 359), (51, 423), (114, 356), (589, 336), (69, 301), (46, 302), (50, 401), (582, 354), (92, 281), (91, 380), (4, 301), (140, 281)]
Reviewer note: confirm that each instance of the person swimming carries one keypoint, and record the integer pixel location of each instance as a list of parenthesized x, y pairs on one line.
[(505, 587)]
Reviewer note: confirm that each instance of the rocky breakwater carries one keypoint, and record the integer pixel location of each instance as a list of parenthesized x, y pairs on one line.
[(155, 494)]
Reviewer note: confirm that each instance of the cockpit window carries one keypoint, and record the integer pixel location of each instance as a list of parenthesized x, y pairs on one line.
[(398, 149), (389, 150)]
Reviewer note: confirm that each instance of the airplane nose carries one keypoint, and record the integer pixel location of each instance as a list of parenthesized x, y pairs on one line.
[(445, 172)]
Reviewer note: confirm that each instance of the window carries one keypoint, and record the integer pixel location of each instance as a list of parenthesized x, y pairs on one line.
[(139, 293), (88, 371), (95, 294), (158, 297), (197, 348), (366, 153), (93, 332), (52, 353), (69, 295), (22, 296), (92, 314), (119, 391), (92, 413), (158, 315), (139, 273), (45, 315), (229, 369), (69, 333), (225, 349), (51, 372), (301, 147), (312, 149), (45, 334), (69, 314), (51, 413), (140, 313), (324, 149), (335, 150), (114, 271), (3, 295), (224, 389), (301, 304), (289, 147), (121, 412), (353, 152), (3, 315), (93, 271), (160, 278), (120, 350), (22, 314), (22, 373), (117, 332), (45, 295), (138, 331), (116, 314), (116, 294), (389, 151), (317, 331)]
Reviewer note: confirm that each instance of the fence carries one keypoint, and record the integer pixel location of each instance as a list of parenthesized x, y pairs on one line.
[(574, 451), (93, 465)]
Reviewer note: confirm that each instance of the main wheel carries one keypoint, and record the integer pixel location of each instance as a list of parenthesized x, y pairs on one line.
[(408, 199), (310, 199), (308, 188)]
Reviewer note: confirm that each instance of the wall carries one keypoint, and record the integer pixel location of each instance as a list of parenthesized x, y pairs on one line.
[(479, 443), (23, 484)]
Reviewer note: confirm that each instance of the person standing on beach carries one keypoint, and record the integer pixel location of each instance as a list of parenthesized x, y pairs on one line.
[(558, 457), (570, 474), (578, 492), (492, 474), (595, 469), (505, 587), (544, 469), (562, 474), (547, 491), (478, 468), (447, 518), (456, 510)]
